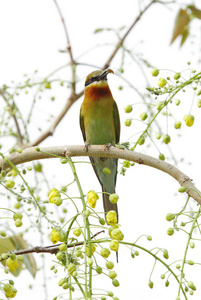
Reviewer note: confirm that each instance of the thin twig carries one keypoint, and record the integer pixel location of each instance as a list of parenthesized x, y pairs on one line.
[(69, 49), (121, 41), (31, 154), (19, 135)]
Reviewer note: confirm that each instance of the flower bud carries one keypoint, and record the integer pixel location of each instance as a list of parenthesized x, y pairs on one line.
[(113, 198), (154, 72), (162, 82), (54, 193), (101, 221), (177, 125), (71, 268), (182, 189), (59, 255), (189, 120), (199, 103), (161, 156), (55, 236), (165, 254), (112, 274), (170, 217), (99, 270), (77, 231), (106, 171), (18, 223), (10, 183), (166, 139), (177, 76), (158, 135), (93, 249), (177, 102), (111, 217), (128, 108), (105, 252), (191, 285), (170, 231), (109, 265), (90, 262), (115, 282), (63, 247), (141, 140), (92, 198), (12, 264), (127, 122), (143, 116), (114, 245), (116, 234), (151, 284)]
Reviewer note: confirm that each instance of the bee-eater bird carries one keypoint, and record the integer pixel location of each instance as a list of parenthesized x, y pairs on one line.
[(100, 125)]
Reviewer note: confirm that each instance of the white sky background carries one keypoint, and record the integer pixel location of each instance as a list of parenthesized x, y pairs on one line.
[(31, 35)]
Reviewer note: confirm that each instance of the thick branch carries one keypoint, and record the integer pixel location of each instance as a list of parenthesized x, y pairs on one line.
[(31, 154)]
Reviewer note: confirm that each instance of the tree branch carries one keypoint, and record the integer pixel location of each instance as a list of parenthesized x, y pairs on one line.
[(31, 154), (52, 249)]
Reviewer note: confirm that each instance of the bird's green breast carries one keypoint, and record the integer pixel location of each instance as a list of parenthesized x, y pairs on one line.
[(99, 121)]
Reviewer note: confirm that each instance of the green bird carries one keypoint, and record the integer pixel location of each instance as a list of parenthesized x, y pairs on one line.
[(100, 125)]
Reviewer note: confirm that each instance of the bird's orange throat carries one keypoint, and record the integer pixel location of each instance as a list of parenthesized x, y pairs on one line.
[(94, 93)]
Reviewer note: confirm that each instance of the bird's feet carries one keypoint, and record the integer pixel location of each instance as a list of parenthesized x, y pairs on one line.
[(107, 146), (86, 146)]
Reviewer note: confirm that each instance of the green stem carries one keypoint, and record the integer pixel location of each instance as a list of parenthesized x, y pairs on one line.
[(87, 241), (186, 249)]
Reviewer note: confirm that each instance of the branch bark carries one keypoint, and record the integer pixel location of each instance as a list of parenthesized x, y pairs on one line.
[(30, 154)]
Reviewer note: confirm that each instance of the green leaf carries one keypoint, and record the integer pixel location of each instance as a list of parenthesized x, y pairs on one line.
[(182, 20), (184, 35), (18, 243)]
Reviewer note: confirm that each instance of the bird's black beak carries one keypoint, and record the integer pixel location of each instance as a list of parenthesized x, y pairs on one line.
[(103, 75)]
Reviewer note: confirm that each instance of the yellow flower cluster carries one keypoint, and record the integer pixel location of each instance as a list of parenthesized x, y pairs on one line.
[(93, 248), (55, 197), (10, 291), (12, 264), (111, 217), (92, 197), (55, 236)]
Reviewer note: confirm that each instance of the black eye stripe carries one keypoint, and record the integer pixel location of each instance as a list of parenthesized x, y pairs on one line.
[(90, 80)]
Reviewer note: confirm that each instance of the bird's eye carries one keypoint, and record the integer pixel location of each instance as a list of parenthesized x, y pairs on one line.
[(91, 79)]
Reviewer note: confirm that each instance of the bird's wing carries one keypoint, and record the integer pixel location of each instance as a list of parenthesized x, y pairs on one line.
[(82, 125), (116, 121)]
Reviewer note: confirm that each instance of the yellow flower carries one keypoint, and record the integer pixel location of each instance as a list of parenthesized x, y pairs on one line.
[(12, 264), (92, 197), (55, 236), (54, 193), (117, 234), (114, 245), (93, 248), (14, 173), (189, 120), (111, 217), (10, 291), (77, 231)]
